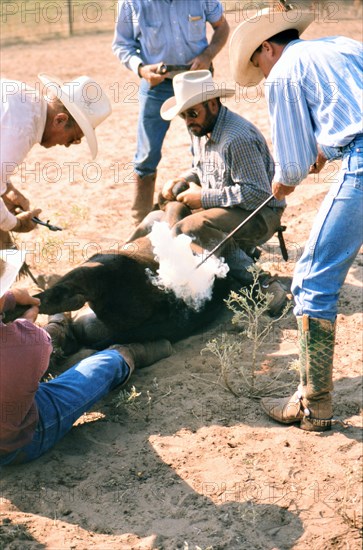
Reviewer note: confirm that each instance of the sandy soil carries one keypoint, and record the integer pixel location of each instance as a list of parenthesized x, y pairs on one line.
[(186, 464)]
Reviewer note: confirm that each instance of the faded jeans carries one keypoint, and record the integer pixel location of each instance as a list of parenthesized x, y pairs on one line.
[(209, 227), (151, 128), (64, 399), (334, 240)]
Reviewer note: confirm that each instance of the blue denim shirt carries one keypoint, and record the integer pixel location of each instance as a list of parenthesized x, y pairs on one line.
[(168, 31)]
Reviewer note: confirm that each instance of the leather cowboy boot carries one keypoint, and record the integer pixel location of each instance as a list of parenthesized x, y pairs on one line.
[(311, 404), (138, 356), (64, 342), (143, 198), (277, 297)]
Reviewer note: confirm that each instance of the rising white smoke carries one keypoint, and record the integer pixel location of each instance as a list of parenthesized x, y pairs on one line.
[(177, 267)]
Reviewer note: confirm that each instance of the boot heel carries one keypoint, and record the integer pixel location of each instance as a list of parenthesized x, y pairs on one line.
[(315, 424)]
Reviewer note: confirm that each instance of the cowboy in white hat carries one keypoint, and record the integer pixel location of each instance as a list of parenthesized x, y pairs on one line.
[(62, 116), (231, 176), (315, 95), (38, 414)]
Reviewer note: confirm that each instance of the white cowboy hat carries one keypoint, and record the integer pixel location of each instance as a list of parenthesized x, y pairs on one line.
[(191, 88), (250, 34), (11, 261), (86, 102)]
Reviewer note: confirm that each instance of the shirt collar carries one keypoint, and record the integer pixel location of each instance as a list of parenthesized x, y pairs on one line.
[(218, 127), (43, 119), (270, 77), (290, 44)]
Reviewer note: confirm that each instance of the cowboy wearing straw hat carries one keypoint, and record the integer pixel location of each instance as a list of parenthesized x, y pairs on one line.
[(36, 415), (314, 95), (232, 175), (65, 114)]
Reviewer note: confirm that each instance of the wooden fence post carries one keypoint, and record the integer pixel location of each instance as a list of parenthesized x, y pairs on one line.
[(70, 17)]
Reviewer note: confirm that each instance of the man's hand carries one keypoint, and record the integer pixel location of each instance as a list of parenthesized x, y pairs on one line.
[(192, 197), (201, 61), (14, 199), (23, 298), (318, 164), (31, 314), (167, 190), (24, 222), (219, 39), (280, 190), (150, 73)]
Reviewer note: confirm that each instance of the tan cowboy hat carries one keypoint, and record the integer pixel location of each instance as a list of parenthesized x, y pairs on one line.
[(191, 88), (250, 34), (11, 261), (85, 100)]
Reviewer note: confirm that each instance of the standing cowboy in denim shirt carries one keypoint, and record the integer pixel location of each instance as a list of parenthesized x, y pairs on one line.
[(148, 34), (314, 94)]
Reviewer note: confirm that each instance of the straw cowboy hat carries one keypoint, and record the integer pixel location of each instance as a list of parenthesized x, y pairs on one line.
[(10, 263), (86, 102), (191, 88), (250, 34)]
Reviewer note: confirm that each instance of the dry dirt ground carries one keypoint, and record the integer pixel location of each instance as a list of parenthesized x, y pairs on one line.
[(186, 464)]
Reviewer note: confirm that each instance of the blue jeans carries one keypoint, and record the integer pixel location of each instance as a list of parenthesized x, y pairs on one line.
[(151, 128), (334, 240), (63, 400)]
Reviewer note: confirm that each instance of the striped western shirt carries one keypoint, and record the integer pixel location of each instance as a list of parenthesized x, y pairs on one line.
[(233, 166), (315, 97)]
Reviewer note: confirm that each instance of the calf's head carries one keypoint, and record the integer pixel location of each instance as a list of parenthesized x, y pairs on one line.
[(72, 291)]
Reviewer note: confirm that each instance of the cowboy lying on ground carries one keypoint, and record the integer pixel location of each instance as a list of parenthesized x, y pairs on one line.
[(36, 415), (63, 116)]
